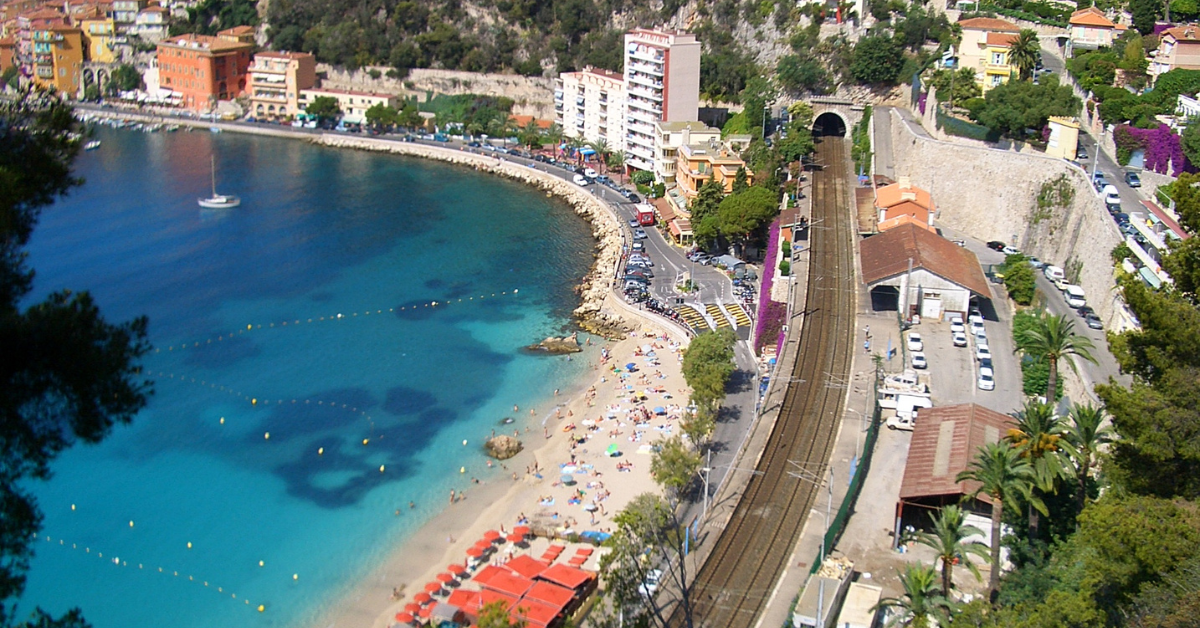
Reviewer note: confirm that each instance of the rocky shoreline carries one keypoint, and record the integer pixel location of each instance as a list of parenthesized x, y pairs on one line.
[(597, 285)]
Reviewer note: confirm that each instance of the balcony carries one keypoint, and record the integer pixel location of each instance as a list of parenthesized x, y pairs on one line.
[(644, 92), (271, 79), (46, 36), (643, 117), (268, 67), (639, 79), (647, 54), (579, 101), (645, 105), (648, 68), (270, 95)]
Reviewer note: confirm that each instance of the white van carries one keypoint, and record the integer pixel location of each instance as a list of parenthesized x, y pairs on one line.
[(1075, 297), (1054, 273), (581, 180)]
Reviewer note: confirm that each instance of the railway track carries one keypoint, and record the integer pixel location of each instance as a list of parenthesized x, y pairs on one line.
[(733, 586)]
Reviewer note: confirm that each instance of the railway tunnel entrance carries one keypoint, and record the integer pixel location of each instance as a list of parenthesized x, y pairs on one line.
[(829, 124)]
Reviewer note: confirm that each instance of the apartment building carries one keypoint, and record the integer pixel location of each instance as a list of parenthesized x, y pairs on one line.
[(151, 24), (27, 24), (1178, 47), (203, 69), (99, 33), (698, 163), (669, 136), (661, 82), (276, 80), (8, 53), (591, 105), (354, 105), (986, 42), (125, 12), (58, 58)]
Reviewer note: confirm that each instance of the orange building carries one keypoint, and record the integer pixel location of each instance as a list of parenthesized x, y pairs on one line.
[(904, 203), (8, 53), (695, 164), (203, 69), (58, 58)]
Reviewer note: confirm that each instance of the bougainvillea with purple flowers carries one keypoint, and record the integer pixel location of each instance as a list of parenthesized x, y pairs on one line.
[(1163, 150), (768, 278), (921, 102)]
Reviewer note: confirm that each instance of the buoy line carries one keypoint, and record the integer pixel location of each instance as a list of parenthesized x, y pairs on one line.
[(121, 562), (334, 317)]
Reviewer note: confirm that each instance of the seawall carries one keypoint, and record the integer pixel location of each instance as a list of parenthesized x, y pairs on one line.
[(992, 194)]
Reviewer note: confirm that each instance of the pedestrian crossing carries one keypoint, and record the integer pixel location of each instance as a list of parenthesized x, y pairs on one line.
[(717, 315), (693, 318), (740, 317)]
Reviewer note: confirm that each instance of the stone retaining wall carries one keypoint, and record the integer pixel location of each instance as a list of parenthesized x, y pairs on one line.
[(531, 95), (991, 194)]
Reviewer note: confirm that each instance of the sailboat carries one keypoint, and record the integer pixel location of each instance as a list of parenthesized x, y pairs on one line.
[(218, 201)]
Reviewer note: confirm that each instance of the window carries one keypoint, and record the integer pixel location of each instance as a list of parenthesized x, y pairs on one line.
[(997, 58)]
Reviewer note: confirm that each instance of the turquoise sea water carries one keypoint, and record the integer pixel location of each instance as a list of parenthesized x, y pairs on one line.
[(320, 233)]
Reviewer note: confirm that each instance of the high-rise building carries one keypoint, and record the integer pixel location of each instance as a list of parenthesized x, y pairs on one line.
[(591, 105), (661, 82)]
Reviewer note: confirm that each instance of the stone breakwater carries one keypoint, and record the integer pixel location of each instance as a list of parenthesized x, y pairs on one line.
[(598, 284)]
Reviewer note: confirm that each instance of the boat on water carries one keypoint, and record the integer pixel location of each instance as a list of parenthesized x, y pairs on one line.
[(92, 145), (214, 129), (218, 201)]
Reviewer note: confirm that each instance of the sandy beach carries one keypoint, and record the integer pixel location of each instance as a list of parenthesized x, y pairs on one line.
[(616, 408)]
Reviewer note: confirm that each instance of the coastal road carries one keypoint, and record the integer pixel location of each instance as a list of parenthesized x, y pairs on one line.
[(738, 577)]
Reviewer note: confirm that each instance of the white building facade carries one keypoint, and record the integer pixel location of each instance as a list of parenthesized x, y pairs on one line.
[(661, 82)]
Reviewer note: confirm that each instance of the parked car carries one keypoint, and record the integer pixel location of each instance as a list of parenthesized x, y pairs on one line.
[(1112, 196), (639, 234), (1036, 263), (982, 351), (975, 316), (987, 379), (1085, 310), (1081, 152), (634, 198), (1093, 321), (914, 342), (603, 179), (1010, 250), (1133, 180), (589, 173), (960, 339), (996, 245), (904, 424), (633, 223), (638, 246), (977, 327), (580, 180), (918, 360), (956, 325)]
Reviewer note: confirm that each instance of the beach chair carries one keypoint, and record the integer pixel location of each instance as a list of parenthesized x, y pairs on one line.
[(577, 561)]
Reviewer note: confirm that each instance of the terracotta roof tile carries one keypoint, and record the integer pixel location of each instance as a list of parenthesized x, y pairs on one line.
[(569, 577), (1001, 39), (1184, 34), (945, 439), (886, 255), (1091, 16), (990, 24), (892, 195)]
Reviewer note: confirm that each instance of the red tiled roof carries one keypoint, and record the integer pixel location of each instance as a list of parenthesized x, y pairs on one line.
[(1001, 39), (887, 254), (990, 24), (890, 195), (237, 31), (1167, 219), (550, 593), (1091, 16), (569, 577), (509, 583), (944, 441), (524, 120), (526, 566), (663, 207), (533, 613), (1184, 34)]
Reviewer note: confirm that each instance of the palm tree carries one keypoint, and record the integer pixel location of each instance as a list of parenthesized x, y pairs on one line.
[(554, 135), (603, 150), (948, 540), (1037, 436), (1025, 52), (921, 600), (1004, 476), (616, 161), (474, 128), (1053, 337), (1082, 440)]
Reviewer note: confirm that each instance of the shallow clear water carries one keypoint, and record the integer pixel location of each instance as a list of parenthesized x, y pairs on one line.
[(343, 235)]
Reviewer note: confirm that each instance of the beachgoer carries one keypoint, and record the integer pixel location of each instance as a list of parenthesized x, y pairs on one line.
[(531, 412), (515, 407), (555, 392), (412, 505), (451, 496)]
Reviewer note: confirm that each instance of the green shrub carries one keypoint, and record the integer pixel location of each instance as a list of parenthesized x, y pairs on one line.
[(1019, 279), (785, 267), (642, 177), (1035, 374), (787, 248)]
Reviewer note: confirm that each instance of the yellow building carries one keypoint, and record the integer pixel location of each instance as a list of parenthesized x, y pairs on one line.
[(985, 47), (1064, 138), (98, 33), (58, 58), (698, 163)]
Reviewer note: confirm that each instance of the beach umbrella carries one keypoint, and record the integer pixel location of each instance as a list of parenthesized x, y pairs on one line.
[(631, 367), (422, 598), (412, 607), (491, 535), (521, 530), (567, 479), (482, 545), (433, 587), (427, 611), (613, 450), (457, 569), (445, 577), (515, 538), (404, 618), (659, 410), (474, 552)]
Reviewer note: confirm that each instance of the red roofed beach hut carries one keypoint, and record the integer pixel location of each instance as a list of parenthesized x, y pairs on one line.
[(551, 594), (569, 577), (486, 574), (509, 583), (533, 613), (527, 566)]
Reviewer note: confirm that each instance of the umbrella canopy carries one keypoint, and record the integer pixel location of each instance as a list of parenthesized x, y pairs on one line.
[(659, 410), (427, 611), (474, 552), (433, 587), (491, 535), (613, 450), (404, 618), (567, 479), (412, 607), (456, 568), (422, 598), (515, 538), (483, 544), (631, 367), (445, 577), (521, 530)]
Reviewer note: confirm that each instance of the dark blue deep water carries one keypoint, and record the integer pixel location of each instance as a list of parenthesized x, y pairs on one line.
[(348, 249)]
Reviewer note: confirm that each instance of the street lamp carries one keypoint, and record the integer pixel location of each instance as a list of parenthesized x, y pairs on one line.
[(707, 470), (808, 476)]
